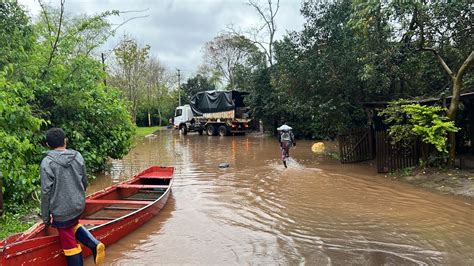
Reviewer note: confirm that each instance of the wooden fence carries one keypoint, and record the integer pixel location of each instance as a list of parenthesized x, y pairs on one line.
[(392, 157), (355, 145)]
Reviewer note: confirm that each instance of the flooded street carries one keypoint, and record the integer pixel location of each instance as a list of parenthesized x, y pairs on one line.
[(316, 212)]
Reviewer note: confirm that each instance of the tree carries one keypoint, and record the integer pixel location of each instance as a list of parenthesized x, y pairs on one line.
[(211, 74), (194, 85), (268, 15), (441, 28), (158, 97), (351, 52), (155, 75), (19, 123), (48, 78), (70, 91), (130, 73), (317, 71), (226, 52), (16, 34)]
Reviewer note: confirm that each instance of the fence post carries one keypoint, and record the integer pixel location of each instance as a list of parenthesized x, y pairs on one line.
[(1, 194), (340, 144)]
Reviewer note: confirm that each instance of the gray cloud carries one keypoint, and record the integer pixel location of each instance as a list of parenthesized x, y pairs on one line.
[(177, 30)]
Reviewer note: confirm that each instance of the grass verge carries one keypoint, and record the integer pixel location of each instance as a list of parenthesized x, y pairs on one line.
[(334, 155), (143, 131), (23, 218)]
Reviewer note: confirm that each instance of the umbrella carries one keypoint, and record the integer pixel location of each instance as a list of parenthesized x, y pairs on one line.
[(284, 128)]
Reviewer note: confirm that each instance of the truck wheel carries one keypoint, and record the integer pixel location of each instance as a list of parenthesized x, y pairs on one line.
[(211, 131), (183, 129), (223, 131)]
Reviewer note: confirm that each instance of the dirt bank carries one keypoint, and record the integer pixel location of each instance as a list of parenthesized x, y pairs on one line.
[(456, 182), (446, 181)]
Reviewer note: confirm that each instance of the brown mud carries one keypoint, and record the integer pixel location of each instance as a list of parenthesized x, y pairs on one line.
[(445, 181)]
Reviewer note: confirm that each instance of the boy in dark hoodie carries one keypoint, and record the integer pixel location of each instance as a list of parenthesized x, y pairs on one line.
[(63, 185)]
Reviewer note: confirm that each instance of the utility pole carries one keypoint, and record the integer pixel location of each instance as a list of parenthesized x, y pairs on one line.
[(179, 87)]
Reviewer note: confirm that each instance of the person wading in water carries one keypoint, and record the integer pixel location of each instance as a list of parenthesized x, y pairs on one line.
[(63, 186), (286, 140)]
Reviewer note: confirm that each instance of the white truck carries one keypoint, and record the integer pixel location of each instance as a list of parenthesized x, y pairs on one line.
[(214, 112)]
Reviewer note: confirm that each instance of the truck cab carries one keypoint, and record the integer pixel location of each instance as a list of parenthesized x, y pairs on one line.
[(183, 117)]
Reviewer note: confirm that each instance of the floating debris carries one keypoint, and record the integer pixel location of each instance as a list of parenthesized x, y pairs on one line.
[(224, 165), (318, 147)]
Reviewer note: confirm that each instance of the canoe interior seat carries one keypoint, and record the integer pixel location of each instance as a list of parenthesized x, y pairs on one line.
[(161, 175), (92, 222), (115, 201), (142, 186), (120, 208)]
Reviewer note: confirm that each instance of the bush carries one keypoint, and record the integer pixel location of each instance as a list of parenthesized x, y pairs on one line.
[(41, 87), (410, 121), (18, 131), (93, 116)]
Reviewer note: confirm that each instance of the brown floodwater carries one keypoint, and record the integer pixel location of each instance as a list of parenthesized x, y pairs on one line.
[(316, 212)]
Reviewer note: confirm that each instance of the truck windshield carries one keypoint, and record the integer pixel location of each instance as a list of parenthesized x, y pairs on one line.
[(179, 112)]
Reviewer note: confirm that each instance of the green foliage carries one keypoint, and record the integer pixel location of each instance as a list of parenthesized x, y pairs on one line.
[(434, 159), (144, 83), (228, 53), (19, 127), (96, 121), (74, 97), (194, 85), (131, 79), (351, 52), (334, 155), (407, 171), (18, 219), (263, 98), (94, 117), (412, 121), (16, 34), (311, 75), (44, 85), (430, 125)]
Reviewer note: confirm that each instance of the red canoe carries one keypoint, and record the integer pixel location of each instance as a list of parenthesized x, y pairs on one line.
[(110, 214)]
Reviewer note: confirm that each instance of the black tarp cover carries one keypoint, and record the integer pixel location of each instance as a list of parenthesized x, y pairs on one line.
[(216, 101)]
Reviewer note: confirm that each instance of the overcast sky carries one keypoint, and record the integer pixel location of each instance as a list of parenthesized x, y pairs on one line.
[(177, 30)]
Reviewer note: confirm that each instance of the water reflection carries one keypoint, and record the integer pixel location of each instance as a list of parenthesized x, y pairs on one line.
[(316, 212)]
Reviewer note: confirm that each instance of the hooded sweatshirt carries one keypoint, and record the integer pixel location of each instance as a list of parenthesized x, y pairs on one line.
[(63, 185)]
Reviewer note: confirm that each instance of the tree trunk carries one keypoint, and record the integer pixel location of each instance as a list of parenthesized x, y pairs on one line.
[(134, 114), (452, 111), (159, 118), (453, 107), (149, 119), (456, 79)]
